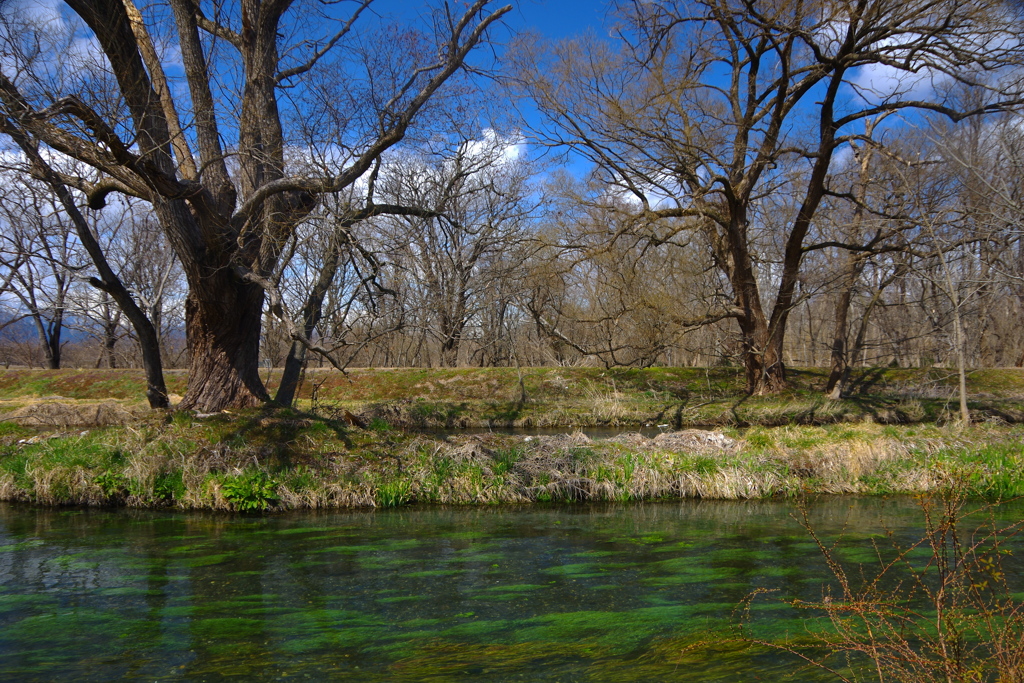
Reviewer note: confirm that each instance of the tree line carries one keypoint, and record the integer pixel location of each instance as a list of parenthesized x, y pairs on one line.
[(271, 183)]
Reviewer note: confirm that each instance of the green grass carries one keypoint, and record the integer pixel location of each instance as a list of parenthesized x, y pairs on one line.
[(569, 397), (680, 397), (884, 439)]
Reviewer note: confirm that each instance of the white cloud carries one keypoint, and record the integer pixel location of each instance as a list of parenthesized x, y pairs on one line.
[(875, 83), (41, 35), (918, 62), (507, 148), (841, 158)]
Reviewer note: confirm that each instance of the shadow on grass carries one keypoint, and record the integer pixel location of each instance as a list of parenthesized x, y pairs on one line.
[(277, 429), (866, 381)]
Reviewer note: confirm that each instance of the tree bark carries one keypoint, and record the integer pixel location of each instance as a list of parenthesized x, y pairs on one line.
[(452, 325), (311, 314), (840, 358), (450, 349), (765, 373), (110, 340), (222, 324), (49, 339)]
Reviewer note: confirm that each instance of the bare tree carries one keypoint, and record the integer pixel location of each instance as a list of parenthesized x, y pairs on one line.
[(621, 302), (468, 244), (229, 209), (330, 262), (108, 282), (39, 255), (709, 110)]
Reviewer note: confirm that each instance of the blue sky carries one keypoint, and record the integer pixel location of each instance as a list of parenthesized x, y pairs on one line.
[(557, 18), (552, 18)]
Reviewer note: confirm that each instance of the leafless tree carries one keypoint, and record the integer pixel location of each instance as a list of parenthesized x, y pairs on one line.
[(39, 256), (620, 302), (458, 258), (213, 164), (708, 110)]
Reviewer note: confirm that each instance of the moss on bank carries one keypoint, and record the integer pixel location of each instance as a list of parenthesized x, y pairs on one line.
[(279, 459), (580, 397)]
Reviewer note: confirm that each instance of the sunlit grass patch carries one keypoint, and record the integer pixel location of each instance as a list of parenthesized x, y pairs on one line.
[(282, 459)]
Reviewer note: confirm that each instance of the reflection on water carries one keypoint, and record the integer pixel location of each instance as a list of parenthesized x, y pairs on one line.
[(587, 593)]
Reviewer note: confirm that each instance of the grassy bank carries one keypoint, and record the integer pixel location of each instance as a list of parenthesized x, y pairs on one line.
[(578, 397), (278, 460), (83, 437)]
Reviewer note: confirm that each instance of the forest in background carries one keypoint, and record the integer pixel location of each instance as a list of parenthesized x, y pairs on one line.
[(836, 186)]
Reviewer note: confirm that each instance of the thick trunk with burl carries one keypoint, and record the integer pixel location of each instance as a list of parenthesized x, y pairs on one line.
[(765, 373), (222, 324)]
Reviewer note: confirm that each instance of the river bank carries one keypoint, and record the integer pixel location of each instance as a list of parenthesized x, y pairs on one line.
[(274, 459), (569, 398)]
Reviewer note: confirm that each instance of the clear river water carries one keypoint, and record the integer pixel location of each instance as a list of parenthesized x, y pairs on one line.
[(540, 593)]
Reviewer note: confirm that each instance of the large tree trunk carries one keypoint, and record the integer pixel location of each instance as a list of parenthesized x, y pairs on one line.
[(840, 358), (222, 324), (450, 351), (773, 373), (451, 343), (764, 370), (763, 364), (763, 375), (49, 340)]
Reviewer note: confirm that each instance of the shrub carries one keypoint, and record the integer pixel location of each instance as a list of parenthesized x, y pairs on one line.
[(251, 491), (951, 616)]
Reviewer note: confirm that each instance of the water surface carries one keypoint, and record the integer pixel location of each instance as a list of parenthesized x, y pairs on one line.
[(584, 593)]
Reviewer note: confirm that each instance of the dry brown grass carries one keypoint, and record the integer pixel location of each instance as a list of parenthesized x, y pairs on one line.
[(65, 486), (62, 415), (304, 463)]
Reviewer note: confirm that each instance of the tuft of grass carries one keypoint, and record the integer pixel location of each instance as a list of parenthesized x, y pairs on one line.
[(252, 491), (394, 493)]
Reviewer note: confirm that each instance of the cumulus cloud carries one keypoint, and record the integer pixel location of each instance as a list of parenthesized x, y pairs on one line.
[(506, 148), (878, 82)]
